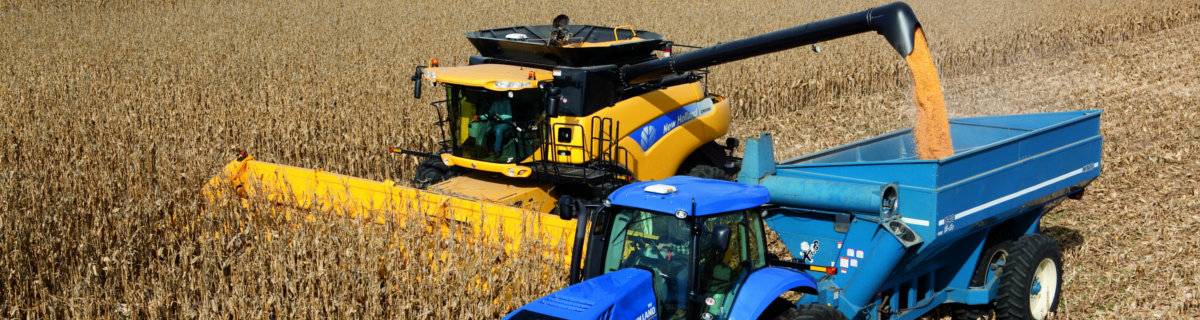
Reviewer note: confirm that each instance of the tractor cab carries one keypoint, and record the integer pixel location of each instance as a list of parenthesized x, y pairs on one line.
[(684, 255)]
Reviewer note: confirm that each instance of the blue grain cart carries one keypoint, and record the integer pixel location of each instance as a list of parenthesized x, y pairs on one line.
[(907, 235), (874, 232)]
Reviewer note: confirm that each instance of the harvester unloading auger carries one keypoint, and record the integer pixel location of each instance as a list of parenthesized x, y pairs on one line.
[(553, 116)]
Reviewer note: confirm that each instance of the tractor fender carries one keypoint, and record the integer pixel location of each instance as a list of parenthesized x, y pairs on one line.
[(763, 286)]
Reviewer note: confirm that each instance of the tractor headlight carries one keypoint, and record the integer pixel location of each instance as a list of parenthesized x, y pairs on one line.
[(681, 214)]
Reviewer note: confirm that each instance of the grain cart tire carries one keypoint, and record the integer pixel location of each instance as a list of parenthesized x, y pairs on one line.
[(973, 313), (708, 172), (813, 312), (1031, 280), (429, 172)]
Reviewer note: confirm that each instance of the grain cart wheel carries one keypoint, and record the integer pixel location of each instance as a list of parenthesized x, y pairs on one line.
[(973, 313), (429, 172), (1031, 280), (813, 312)]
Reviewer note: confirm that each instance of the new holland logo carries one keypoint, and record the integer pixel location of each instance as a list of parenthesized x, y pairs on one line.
[(649, 313), (649, 135)]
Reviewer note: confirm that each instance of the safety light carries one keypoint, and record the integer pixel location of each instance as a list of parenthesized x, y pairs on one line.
[(532, 75), (433, 62)]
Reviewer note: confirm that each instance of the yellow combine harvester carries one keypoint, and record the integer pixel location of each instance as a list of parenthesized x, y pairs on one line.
[(555, 116)]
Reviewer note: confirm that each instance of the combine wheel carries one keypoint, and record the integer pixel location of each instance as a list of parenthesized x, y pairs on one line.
[(1031, 279), (429, 172), (708, 172), (813, 312)]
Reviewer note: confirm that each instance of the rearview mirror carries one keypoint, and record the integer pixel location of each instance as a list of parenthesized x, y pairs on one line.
[(416, 79), (720, 237)]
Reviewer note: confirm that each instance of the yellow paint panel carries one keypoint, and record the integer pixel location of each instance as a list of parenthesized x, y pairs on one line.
[(384, 202), (521, 193), (485, 75)]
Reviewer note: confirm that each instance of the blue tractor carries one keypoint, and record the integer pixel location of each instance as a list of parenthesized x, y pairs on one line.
[(657, 247), (874, 231)]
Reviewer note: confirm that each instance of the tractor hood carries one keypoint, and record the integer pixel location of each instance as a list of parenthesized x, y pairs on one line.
[(622, 294)]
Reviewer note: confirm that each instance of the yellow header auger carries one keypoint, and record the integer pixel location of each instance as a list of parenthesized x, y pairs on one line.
[(547, 118)]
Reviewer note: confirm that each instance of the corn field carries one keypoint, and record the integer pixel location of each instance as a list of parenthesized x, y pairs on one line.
[(113, 114)]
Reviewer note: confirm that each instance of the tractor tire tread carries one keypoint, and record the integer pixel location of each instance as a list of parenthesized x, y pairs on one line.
[(708, 172), (813, 312)]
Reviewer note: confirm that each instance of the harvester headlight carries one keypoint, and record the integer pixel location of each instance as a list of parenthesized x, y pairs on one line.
[(432, 76), (511, 84), (446, 161), (512, 172)]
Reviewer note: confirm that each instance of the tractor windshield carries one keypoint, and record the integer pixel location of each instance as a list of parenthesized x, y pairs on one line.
[(657, 242), (494, 126), (662, 243)]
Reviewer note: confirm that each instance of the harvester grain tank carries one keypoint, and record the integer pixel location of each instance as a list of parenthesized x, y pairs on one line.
[(875, 232)]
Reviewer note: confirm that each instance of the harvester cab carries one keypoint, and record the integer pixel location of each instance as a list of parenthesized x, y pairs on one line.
[(546, 103), (669, 249)]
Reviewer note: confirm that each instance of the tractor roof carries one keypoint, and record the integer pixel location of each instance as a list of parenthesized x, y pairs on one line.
[(676, 193)]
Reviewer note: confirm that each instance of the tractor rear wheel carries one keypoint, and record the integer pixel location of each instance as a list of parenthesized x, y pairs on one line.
[(1031, 280), (708, 172), (813, 312)]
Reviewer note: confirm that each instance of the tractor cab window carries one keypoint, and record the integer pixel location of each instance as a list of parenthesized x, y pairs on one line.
[(494, 126), (659, 243), (721, 272)]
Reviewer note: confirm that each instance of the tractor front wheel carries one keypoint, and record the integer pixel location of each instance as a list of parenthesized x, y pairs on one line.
[(1031, 280), (708, 172), (813, 312)]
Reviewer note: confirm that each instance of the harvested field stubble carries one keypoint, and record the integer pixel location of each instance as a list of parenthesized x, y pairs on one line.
[(115, 113)]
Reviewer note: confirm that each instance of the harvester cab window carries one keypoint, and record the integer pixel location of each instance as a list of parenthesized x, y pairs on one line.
[(659, 243), (495, 126)]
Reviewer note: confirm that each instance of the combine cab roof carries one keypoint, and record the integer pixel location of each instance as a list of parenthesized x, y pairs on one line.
[(587, 46)]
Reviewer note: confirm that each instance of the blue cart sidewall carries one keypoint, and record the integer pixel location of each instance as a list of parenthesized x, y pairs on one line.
[(763, 286)]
